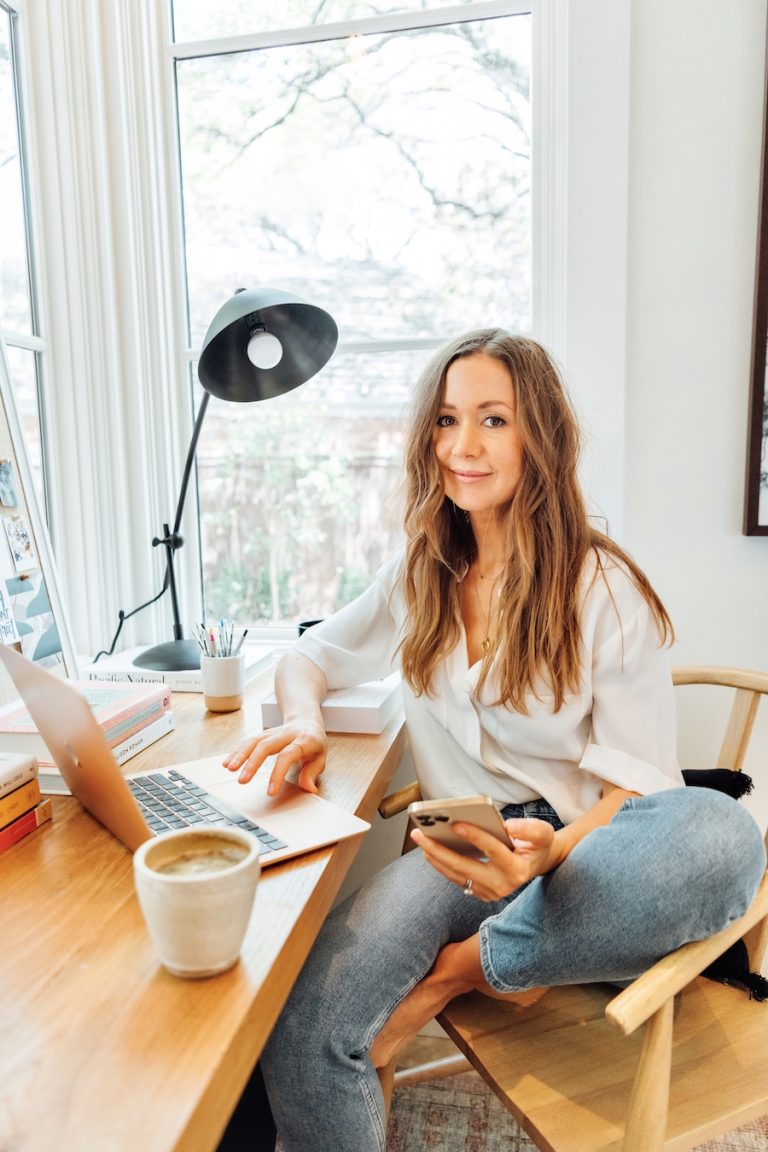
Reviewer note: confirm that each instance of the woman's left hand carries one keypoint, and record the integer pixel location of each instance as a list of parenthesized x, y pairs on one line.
[(532, 853)]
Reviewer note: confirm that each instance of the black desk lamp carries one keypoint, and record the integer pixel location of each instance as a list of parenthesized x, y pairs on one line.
[(260, 344)]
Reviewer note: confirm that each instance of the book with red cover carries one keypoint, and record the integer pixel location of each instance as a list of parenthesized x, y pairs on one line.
[(120, 708), (25, 824), (16, 803)]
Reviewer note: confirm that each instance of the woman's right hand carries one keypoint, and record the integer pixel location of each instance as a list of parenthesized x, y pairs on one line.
[(303, 743)]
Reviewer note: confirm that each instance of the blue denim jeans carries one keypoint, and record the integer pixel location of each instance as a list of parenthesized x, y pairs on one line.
[(669, 868)]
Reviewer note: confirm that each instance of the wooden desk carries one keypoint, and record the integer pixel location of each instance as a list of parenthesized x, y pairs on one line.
[(100, 1049)]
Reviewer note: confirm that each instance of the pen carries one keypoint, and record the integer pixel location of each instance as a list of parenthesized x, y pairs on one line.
[(240, 643)]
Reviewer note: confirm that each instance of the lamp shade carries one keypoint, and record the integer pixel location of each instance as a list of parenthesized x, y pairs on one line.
[(307, 335)]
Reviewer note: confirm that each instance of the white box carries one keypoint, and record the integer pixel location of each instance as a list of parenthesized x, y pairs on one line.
[(366, 708)]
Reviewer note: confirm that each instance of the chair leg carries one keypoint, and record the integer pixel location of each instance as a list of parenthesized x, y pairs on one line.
[(649, 1103), (756, 940), (390, 1078), (434, 1070)]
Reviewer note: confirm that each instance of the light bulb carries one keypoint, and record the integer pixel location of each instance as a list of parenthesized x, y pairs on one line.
[(264, 350)]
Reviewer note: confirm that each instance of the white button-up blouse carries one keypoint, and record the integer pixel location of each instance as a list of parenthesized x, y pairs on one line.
[(620, 727)]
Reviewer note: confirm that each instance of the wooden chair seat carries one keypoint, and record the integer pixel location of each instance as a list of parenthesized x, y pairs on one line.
[(669, 1062), (567, 1075)]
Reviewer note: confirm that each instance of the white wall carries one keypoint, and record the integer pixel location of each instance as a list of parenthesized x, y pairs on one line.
[(695, 126)]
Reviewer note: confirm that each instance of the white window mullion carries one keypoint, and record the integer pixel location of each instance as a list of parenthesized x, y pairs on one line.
[(550, 173)]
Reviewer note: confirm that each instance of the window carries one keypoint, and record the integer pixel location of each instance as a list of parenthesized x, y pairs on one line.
[(381, 168), (17, 289)]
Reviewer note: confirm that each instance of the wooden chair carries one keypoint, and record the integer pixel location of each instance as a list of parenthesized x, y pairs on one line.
[(574, 1064)]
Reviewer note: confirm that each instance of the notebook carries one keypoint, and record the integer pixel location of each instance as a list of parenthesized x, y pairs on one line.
[(135, 808)]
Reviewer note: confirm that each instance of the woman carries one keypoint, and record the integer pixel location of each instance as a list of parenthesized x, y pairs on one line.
[(532, 654)]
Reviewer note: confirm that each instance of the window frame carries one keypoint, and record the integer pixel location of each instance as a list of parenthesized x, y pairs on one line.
[(549, 24), (112, 240), (33, 341), (366, 26)]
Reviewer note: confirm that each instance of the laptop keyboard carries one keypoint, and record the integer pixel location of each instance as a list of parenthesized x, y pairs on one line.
[(169, 800)]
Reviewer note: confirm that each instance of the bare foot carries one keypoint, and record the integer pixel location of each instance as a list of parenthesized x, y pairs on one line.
[(456, 970), (419, 1006)]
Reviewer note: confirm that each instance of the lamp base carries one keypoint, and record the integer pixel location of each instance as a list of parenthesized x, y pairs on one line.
[(172, 656)]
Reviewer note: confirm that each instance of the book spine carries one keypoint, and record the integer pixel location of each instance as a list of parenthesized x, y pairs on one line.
[(111, 716), (188, 680), (18, 802), (117, 719), (16, 773), (108, 675), (25, 824), (144, 737), (176, 681), (120, 732)]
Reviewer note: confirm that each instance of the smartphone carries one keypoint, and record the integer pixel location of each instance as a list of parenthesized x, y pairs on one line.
[(435, 817)]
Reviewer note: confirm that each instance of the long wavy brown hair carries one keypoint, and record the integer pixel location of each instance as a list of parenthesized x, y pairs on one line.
[(548, 536)]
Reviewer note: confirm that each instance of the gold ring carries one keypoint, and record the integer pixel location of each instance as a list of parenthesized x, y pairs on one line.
[(467, 889)]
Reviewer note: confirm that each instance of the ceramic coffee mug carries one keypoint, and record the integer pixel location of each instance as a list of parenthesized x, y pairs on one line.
[(196, 888), (223, 679)]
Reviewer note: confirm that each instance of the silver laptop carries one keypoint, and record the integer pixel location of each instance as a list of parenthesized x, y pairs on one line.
[(196, 793)]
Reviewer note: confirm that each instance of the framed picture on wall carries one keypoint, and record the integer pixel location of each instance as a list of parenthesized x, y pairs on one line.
[(32, 616), (756, 502)]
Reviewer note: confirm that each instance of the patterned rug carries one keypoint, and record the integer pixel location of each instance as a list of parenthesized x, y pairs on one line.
[(461, 1114)]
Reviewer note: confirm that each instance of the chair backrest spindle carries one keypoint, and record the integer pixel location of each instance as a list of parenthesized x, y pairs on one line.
[(739, 730), (749, 687)]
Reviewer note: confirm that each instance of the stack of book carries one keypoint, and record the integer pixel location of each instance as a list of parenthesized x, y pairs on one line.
[(22, 807), (132, 717)]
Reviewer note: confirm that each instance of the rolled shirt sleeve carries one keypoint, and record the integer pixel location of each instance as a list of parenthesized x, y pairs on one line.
[(359, 642)]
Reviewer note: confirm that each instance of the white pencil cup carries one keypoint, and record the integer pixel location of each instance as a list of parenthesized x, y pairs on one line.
[(223, 680), (196, 888)]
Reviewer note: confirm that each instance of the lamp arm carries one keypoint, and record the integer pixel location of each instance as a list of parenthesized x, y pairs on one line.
[(171, 541), (190, 459)]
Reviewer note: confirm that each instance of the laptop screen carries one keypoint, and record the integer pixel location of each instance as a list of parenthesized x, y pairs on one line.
[(78, 747)]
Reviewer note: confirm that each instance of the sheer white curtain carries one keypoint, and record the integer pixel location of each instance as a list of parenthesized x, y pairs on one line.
[(118, 406)]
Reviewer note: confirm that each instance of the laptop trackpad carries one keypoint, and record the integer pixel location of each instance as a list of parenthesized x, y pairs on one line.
[(296, 816)]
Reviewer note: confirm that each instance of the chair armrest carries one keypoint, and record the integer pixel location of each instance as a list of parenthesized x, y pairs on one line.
[(648, 993), (399, 801)]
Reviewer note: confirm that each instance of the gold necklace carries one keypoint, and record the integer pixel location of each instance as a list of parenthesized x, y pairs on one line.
[(485, 645), (487, 576)]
